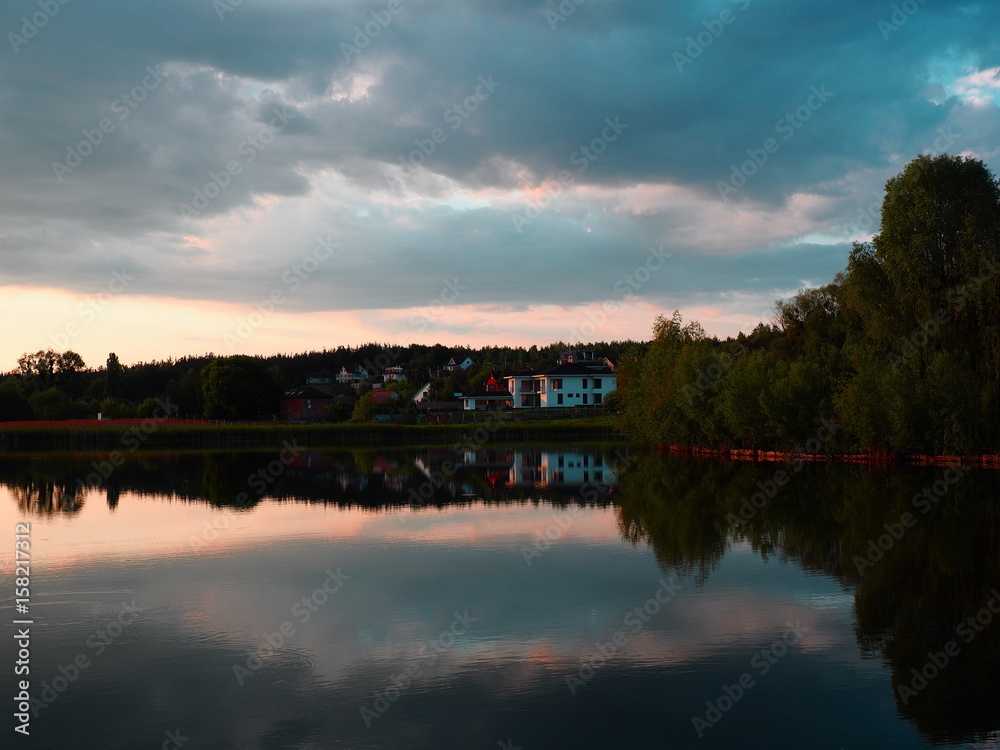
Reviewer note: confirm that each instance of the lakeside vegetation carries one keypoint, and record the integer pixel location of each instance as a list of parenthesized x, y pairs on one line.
[(132, 435), (900, 353)]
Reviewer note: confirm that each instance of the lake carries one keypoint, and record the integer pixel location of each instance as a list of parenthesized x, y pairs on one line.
[(525, 596)]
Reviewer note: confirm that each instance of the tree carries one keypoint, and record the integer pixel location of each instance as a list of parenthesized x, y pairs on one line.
[(238, 387), (364, 409), (47, 368), (14, 406), (113, 376)]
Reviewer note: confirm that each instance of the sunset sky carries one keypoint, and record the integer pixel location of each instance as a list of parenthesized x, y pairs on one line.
[(259, 176)]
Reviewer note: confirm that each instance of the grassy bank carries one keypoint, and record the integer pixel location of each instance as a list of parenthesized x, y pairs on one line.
[(140, 434)]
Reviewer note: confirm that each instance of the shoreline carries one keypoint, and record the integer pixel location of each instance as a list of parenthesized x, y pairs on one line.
[(132, 435), (753, 455)]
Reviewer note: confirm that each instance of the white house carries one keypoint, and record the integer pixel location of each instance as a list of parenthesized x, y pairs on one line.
[(395, 372), (570, 384), (352, 374), (458, 364)]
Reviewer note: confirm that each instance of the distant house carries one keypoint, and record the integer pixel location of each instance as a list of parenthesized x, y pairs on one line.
[(381, 398), (421, 394), (574, 356), (389, 374), (493, 395), (458, 364), (320, 377), (352, 374), (571, 384), (304, 404)]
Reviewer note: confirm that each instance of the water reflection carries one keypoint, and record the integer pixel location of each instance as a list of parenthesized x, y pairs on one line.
[(702, 520), (914, 584)]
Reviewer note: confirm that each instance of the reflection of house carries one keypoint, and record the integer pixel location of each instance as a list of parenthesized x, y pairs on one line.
[(570, 384), (304, 404), (352, 374), (548, 468)]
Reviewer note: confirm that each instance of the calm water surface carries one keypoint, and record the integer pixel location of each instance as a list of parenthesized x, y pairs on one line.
[(538, 597)]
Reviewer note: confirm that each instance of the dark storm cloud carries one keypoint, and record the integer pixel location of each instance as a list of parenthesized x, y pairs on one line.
[(328, 107)]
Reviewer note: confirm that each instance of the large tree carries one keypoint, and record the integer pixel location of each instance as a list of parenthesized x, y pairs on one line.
[(238, 387)]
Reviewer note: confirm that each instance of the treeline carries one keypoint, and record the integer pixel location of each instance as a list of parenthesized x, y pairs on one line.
[(901, 350), (51, 385)]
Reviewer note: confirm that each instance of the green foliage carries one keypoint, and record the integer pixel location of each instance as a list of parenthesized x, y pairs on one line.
[(338, 410), (903, 348), (364, 409), (114, 409), (238, 387), (150, 407), (14, 406)]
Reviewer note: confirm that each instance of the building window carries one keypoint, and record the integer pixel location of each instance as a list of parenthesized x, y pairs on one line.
[(598, 399), (559, 400), (585, 398), (557, 384), (597, 382), (584, 383)]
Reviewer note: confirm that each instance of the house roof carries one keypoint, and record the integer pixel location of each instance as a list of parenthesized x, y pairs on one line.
[(579, 368), (353, 367), (381, 397), (306, 392)]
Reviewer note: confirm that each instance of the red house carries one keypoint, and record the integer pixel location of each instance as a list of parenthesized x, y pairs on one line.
[(304, 404)]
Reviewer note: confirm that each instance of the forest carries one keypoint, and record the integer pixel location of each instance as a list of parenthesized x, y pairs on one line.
[(51, 385), (900, 352)]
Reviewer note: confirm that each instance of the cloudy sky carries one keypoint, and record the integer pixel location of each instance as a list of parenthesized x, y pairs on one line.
[(252, 176)]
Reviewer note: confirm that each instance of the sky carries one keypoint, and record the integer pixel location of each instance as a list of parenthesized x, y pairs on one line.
[(261, 176)]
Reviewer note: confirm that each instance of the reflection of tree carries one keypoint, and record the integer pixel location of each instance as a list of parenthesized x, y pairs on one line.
[(47, 498), (907, 604)]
